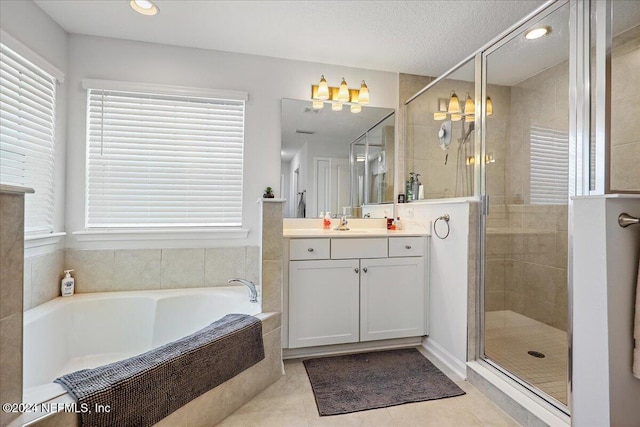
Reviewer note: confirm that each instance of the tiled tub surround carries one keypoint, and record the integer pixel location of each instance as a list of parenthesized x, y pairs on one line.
[(42, 276), (150, 319), (145, 269)]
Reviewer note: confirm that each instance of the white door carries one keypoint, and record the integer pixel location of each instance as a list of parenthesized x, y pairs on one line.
[(392, 298), (323, 302)]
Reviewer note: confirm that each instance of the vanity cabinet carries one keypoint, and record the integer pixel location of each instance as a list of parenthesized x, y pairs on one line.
[(392, 298), (323, 302), (365, 289)]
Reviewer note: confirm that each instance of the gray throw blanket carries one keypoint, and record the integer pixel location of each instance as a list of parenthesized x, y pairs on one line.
[(144, 389)]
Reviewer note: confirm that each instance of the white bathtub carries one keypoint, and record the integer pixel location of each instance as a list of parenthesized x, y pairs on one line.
[(89, 330)]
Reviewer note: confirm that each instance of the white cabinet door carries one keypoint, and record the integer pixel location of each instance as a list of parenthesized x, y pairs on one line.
[(392, 298), (323, 302)]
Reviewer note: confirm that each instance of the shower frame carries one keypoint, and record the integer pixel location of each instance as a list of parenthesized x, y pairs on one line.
[(589, 25)]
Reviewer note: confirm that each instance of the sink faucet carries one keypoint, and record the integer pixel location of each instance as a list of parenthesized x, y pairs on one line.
[(343, 224), (253, 294)]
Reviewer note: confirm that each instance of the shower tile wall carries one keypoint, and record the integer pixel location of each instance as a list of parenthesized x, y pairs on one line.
[(527, 243), (625, 110)]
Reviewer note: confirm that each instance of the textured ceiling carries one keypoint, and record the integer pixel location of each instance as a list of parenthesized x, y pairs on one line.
[(417, 37)]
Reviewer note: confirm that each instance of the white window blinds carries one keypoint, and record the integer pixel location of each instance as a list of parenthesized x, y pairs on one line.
[(27, 130), (158, 160), (549, 163)]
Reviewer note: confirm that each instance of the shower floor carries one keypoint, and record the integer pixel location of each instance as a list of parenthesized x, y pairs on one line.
[(509, 337)]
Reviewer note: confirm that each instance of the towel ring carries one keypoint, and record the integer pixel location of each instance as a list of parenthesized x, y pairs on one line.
[(446, 219)]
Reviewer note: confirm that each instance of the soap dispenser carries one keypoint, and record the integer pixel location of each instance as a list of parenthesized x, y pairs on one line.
[(326, 222), (68, 284)]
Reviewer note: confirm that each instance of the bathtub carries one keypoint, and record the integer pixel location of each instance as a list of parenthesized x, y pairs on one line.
[(90, 330)]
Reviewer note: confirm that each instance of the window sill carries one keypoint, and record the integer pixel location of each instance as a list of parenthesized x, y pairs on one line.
[(41, 244), (110, 235)]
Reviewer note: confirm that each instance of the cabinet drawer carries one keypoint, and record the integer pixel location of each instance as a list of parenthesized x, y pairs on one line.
[(406, 246), (301, 249), (358, 248)]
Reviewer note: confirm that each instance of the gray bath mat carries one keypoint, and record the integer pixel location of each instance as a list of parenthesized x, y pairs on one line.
[(358, 382)]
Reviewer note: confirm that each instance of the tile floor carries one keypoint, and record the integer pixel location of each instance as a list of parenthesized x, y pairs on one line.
[(290, 402), (508, 338)]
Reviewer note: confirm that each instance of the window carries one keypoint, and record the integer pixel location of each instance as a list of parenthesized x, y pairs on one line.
[(549, 166), (27, 133), (163, 160)]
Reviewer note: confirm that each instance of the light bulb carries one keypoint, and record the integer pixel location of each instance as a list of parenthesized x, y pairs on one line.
[(469, 106), (336, 106), (323, 89), (363, 97), (343, 93), (454, 104)]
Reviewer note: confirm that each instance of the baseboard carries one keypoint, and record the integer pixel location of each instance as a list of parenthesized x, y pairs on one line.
[(332, 350), (435, 350)]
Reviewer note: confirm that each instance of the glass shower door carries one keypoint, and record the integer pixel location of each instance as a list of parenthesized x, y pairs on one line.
[(527, 183)]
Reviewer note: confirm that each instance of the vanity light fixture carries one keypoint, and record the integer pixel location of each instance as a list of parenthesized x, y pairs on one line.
[(343, 93), (144, 7), (536, 33), (451, 109), (323, 89), (339, 95), (363, 96), (454, 104), (469, 106)]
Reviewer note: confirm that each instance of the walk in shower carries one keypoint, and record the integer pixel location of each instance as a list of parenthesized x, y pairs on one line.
[(509, 129)]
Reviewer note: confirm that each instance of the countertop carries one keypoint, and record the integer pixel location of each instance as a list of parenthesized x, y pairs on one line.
[(354, 232)]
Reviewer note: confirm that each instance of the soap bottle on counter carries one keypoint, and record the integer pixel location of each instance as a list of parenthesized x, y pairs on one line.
[(67, 285), (326, 222), (416, 187)]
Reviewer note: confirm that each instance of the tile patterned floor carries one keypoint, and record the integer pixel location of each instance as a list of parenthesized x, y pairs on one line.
[(290, 402), (508, 338)]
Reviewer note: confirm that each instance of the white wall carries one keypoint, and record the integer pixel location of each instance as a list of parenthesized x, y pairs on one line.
[(448, 265), (26, 22), (266, 79), (605, 268)]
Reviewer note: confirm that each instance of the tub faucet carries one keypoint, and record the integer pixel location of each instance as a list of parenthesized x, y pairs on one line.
[(343, 224), (253, 293)]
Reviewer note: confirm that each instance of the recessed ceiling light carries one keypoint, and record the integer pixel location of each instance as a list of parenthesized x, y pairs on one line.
[(145, 7), (536, 33)]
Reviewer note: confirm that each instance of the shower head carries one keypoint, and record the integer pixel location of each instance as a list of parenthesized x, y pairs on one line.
[(468, 134)]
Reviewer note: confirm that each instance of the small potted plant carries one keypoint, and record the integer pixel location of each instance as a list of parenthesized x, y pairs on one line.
[(268, 193)]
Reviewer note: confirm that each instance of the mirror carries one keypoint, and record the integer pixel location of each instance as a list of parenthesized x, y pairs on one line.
[(337, 161)]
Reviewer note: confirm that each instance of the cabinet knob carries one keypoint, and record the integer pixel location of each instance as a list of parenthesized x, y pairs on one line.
[(310, 249), (357, 270), (364, 269), (408, 247)]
